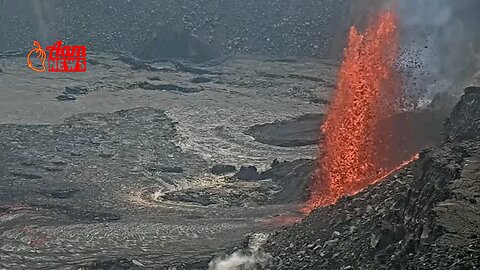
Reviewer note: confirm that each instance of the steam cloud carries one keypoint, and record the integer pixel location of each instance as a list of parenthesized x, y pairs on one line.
[(238, 260), (441, 45), (248, 260), (440, 42)]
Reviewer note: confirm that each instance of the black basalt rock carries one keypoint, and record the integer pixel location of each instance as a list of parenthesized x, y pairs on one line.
[(464, 121), (248, 173), (221, 169)]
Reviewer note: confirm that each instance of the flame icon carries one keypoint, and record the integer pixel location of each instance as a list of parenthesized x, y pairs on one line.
[(41, 55)]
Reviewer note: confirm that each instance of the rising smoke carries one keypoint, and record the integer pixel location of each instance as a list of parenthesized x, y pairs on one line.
[(44, 21), (27, 20), (249, 259), (441, 46), (439, 41)]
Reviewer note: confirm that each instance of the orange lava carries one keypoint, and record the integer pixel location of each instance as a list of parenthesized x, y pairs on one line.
[(359, 145)]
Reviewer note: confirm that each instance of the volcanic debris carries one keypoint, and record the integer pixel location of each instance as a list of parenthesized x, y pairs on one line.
[(426, 216)]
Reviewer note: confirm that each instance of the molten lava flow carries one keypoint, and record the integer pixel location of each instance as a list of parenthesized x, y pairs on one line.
[(359, 131)]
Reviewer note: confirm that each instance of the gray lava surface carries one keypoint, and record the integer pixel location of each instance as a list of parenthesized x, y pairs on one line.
[(112, 168)]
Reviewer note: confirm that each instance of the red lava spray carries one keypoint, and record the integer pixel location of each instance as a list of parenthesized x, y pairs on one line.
[(359, 148)]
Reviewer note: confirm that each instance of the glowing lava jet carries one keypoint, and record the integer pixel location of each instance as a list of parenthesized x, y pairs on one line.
[(359, 146)]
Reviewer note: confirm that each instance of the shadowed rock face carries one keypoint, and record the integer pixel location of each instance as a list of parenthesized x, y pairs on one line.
[(464, 122), (301, 131), (426, 216)]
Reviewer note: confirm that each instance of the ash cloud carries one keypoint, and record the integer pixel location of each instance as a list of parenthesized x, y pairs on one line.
[(440, 43)]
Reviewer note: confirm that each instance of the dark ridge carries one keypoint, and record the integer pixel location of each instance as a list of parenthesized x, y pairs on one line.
[(75, 90), (300, 131), (64, 97), (464, 121), (221, 169), (60, 193), (189, 69), (168, 87), (200, 80)]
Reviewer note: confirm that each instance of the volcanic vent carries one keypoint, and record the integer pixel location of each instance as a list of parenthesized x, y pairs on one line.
[(361, 137)]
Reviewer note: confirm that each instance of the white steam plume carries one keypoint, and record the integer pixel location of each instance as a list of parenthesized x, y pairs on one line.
[(244, 260)]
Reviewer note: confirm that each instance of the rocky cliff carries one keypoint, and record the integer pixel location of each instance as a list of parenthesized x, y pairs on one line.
[(426, 216)]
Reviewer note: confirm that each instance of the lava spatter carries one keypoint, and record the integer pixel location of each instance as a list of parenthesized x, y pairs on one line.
[(359, 144)]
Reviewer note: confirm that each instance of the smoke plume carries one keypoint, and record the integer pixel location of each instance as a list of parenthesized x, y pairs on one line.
[(439, 40), (440, 43), (250, 259)]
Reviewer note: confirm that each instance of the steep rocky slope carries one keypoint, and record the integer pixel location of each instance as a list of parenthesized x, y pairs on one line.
[(426, 216)]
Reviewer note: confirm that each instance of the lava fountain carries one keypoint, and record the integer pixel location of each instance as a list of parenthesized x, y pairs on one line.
[(359, 146)]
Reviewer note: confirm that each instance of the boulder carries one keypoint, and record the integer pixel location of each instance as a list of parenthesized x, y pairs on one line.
[(221, 169)]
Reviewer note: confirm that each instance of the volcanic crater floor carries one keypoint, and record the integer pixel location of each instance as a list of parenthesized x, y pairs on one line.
[(114, 167)]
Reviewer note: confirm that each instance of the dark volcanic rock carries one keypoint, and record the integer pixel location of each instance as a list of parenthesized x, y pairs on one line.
[(426, 216), (155, 78), (220, 169), (293, 177), (65, 97), (285, 182), (194, 70), (60, 193), (75, 90), (99, 216), (191, 196), (168, 87), (71, 93), (166, 169), (318, 100), (26, 175), (200, 80), (300, 131), (248, 173), (136, 64), (464, 122)]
